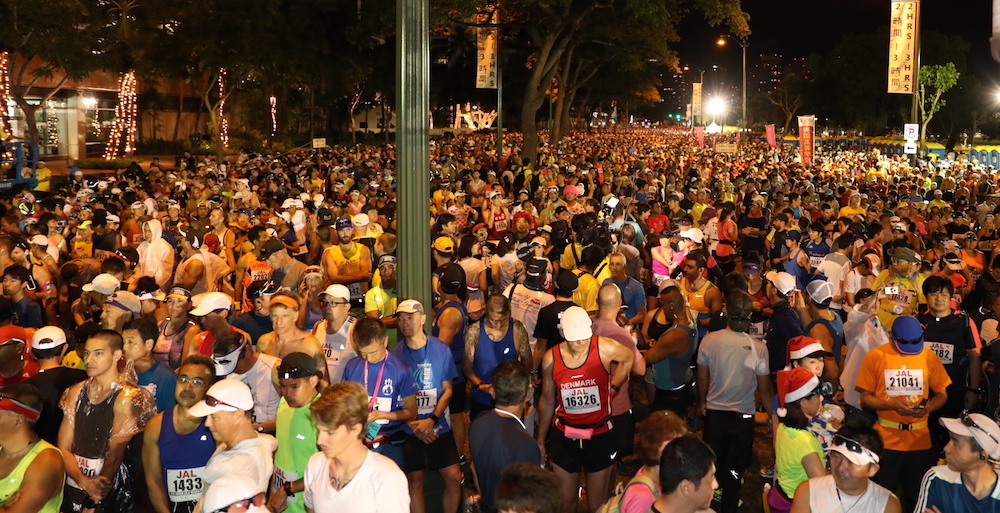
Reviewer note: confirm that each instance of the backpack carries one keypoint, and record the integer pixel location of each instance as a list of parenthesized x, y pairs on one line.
[(614, 504)]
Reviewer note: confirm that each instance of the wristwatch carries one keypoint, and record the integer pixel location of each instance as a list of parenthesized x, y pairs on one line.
[(287, 487), (433, 417)]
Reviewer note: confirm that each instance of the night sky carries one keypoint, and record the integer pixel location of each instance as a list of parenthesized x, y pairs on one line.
[(798, 27)]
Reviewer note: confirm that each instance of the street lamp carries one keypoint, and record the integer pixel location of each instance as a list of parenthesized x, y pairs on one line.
[(744, 43)]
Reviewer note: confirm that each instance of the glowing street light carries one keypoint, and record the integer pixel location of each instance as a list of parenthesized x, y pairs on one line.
[(716, 107)]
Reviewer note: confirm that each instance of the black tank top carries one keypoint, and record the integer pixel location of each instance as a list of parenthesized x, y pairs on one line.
[(92, 428), (656, 328)]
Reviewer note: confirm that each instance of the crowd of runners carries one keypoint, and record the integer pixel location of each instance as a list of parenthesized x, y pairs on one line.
[(201, 337)]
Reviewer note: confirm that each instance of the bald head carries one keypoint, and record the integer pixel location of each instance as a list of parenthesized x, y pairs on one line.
[(609, 301)]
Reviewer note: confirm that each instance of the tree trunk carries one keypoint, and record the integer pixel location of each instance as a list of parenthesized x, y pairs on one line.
[(180, 113), (29, 117), (312, 111)]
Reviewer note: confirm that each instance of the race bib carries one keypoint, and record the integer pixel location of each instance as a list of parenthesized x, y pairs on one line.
[(185, 484), (904, 298), (946, 352), (426, 401), (899, 382), (90, 467), (581, 400), (814, 261), (383, 404), (756, 330), (281, 477)]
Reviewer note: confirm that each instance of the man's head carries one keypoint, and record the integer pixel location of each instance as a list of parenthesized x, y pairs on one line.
[(410, 317), (336, 302), (687, 471), (213, 308), (121, 307), (510, 383), (48, 343), (345, 229), (854, 453), (387, 271), (260, 293), (102, 352), (15, 281), (12, 341), (20, 407), (139, 338), (671, 299), (694, 266), (298, 378), (575, 325), (228, 352), (340, 415), (194, 377), (616, 262), (939, 291), (497, 312), (274, 253), (526, 488), (609, 299), (975, 440), (284, 311), (739, 306), (370, 339), (227, 407)]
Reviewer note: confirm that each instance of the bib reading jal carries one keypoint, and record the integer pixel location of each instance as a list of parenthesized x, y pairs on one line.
[(900, 382)]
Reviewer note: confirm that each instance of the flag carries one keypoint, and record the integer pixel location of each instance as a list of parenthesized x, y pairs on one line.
[(769, 131), (807, 126), (699, 132), (696, 99)]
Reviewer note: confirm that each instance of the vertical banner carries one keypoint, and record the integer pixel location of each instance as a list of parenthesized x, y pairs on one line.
[(807, 125), (769, 132), (696, 100), (486, 57), (902, 46), (699, 132)]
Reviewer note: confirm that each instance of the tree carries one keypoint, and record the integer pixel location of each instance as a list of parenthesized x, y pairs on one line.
[(47, 39), (788, 98), (933, 81)]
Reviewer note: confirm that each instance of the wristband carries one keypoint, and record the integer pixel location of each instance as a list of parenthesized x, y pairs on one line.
[(434, 418), (287, 487), (616, 388)]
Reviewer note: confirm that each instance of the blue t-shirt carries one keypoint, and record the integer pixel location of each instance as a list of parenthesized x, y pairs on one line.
[(633, 295), (397, 383), (430, 365), (943, 487), (161, 382)]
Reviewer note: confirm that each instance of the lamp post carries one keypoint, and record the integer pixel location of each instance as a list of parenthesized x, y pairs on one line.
[(744, 43)]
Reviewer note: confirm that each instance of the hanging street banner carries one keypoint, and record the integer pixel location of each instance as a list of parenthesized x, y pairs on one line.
[(699, 132), (696, 100), (769, 132), (807, 125), (902, 46), (486, 58)]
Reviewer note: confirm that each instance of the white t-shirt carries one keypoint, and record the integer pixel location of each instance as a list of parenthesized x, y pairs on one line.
[(378, 487), (253, 458), (854, 282), (835, 266), (265, 395), (525, 304)]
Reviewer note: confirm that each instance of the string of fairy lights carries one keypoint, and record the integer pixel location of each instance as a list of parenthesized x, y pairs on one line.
[(4, 96), (274, 115), (123, 129), (224, 135)]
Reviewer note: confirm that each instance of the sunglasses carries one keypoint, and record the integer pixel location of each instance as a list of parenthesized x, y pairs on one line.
[(968, 422), (855, 447), (213, 402)]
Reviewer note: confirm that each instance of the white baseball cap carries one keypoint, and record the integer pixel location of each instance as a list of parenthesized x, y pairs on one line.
[(39, 240), (338, 291), (225, 395), (576, 324), (694, 234), (211, 302), (48, 337), (782, 281), (228, 490), (103, 283)]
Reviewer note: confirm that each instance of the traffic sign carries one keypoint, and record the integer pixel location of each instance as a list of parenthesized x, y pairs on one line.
[(910, 148), (911, 131)]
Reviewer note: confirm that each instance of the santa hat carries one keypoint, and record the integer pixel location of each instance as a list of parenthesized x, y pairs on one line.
[(801, 347), (793, 385)]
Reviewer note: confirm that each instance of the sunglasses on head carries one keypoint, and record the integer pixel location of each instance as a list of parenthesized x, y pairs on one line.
[(968, 422), (855, 447)]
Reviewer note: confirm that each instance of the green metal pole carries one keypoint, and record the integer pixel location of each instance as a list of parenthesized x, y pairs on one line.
[(412, 154), (499, 99)]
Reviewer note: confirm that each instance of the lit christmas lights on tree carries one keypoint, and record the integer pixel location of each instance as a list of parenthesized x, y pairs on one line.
[(123, 129), (222, 105), (4, 92), (274, 115)]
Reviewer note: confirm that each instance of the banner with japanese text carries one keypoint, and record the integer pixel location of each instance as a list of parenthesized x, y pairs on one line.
[(486, 58), (903, 46), (696, 99), (769, 132), (807, 125)]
